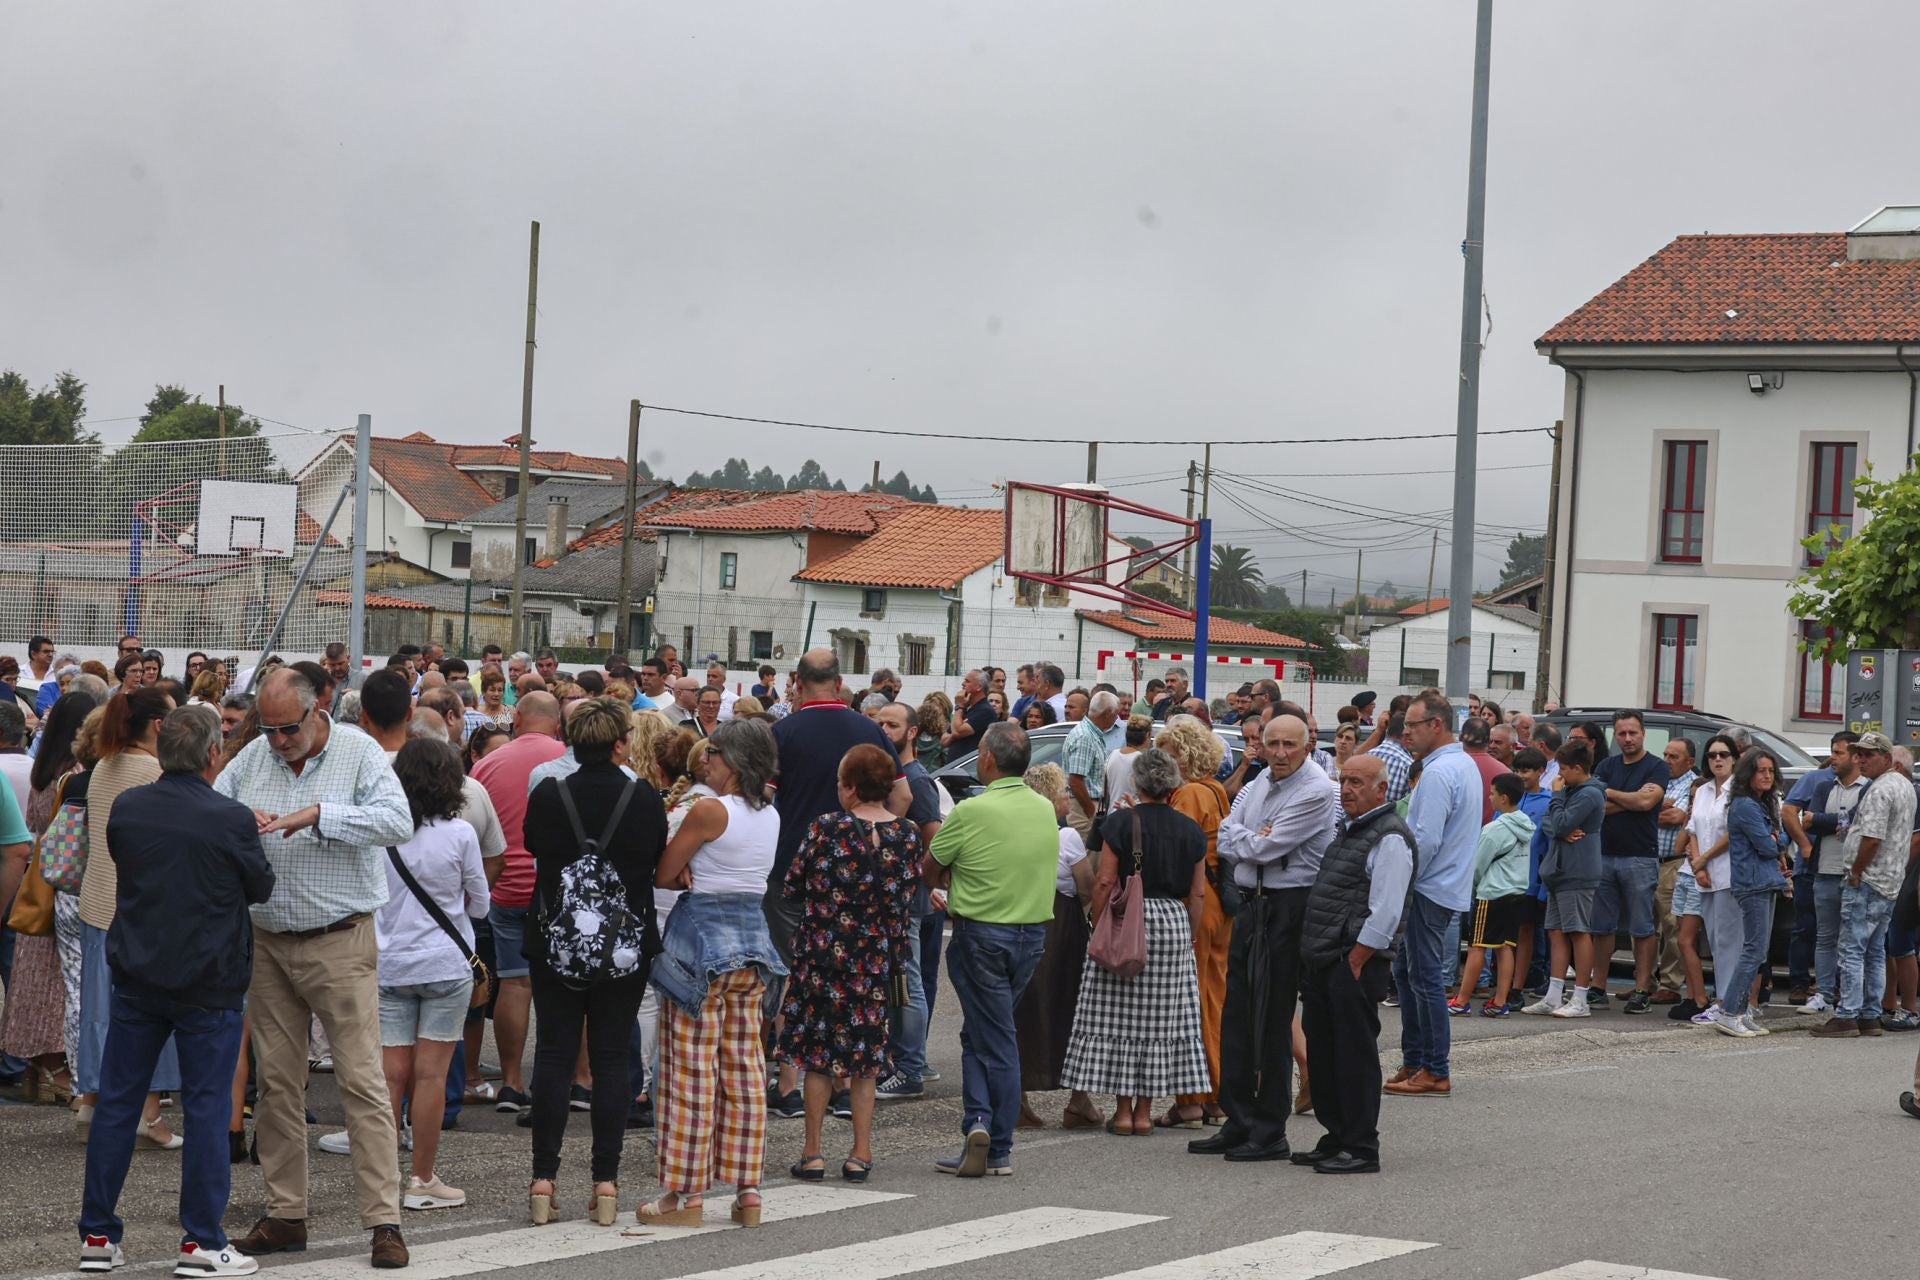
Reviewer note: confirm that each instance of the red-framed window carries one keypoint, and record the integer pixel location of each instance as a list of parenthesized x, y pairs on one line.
[(1676, 638), (1683, 502), (1822, 684), (1830, 499)]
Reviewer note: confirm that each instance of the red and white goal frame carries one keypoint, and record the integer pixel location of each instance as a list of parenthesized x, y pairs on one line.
[(1136, 660)]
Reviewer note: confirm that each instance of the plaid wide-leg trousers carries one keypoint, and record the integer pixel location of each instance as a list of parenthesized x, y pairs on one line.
[(711, 1099)]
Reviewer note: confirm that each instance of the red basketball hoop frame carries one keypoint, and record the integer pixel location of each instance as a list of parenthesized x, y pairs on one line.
[(1092, 578)]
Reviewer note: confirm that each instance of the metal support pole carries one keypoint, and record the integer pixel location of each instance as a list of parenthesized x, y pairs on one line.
[(623, 621), (1200, 618), (1359, 558), (357, 573), (466, 621), (1093, 462), (293, 594), (1186, 569), (517, 636), (1465, 449)]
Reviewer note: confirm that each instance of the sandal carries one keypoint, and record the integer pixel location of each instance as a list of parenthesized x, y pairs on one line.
[(686, 1211), (604, 1209), (1174, 1120), (1113, 1127), (540, 1204), (746, 1215), (855, 1169), (804, 1169), (1071, 1119), (145, 1138)]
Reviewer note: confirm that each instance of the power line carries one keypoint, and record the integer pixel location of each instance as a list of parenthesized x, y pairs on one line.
[(1081, 440)]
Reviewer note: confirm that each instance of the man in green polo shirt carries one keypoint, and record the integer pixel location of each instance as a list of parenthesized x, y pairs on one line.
[(999, 850)]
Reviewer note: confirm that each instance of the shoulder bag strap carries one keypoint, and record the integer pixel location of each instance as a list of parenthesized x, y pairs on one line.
[(573, 814), (432, 907), (1139, 843), (613, 823)]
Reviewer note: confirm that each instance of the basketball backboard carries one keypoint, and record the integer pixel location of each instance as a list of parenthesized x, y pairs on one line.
[(240, 518)]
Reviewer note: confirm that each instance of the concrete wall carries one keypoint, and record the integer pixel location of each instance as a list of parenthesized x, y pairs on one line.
[(1759, 458)]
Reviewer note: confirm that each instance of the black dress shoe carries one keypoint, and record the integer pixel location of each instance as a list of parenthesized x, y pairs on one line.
[(1315, 1156), (1217, 1144), (1908, 1105), (1346, 1162), (1248, 1152)]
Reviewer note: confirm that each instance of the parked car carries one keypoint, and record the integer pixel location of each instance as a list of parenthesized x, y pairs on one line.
[(961, 777), (1664, 726)]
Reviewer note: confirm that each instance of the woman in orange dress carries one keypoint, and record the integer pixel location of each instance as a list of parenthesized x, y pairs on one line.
[(1198, 751)]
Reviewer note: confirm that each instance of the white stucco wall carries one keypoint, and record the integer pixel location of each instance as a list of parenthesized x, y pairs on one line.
[(1759, 459), (1499, 644)]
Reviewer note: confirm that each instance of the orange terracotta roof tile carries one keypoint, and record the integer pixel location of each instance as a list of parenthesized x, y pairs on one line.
[(1164, 627), (820, 510), (374, 601), (1751, 289), (306, 529), (422, 473), (677, 501), (923, 546)]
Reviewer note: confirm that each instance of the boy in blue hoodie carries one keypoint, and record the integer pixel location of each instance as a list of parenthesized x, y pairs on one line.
[(1571, 871), (1500, 896), (1531, 954)]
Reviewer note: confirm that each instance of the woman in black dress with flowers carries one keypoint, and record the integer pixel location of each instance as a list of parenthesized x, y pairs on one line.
[(854, 877)]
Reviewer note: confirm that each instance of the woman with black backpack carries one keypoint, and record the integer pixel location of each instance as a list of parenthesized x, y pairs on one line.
[(596, 837)]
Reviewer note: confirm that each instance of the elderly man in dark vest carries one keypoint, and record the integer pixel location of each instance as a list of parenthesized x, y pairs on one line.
[(1354, 912)]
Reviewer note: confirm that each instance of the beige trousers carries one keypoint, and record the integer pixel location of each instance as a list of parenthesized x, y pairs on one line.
[(333, 977)]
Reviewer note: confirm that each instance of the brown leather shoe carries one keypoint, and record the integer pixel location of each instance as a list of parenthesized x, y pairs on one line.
[(389, 1250), (1667, 995), (1407, 1084), (1401, 1076), (1831, 1029), (274, 1235)]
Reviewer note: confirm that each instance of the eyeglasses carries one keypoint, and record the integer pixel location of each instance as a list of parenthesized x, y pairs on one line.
[(1719, 755), (286, 730), (1429, 720), (130, 648)]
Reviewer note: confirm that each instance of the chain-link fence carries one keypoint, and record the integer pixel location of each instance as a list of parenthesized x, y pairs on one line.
[(100, 541)]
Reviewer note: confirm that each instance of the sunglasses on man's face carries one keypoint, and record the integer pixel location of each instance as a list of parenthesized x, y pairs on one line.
[(284, 730)]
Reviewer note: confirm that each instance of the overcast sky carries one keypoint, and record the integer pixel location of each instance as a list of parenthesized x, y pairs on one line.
[(1142, 222)]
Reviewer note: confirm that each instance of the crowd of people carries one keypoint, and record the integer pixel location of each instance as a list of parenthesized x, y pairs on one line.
[(708, 907)]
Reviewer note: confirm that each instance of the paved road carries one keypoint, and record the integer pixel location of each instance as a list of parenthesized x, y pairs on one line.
[(1657, 1150)]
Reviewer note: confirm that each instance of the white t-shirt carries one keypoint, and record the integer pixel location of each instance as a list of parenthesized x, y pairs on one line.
[(477, 811), (1073, 851), (17, 768), (742, 858), (1119, 784), (444, 856), (1708, 823)]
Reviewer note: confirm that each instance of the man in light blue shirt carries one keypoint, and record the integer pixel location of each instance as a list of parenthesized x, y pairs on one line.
[(1445, 816)]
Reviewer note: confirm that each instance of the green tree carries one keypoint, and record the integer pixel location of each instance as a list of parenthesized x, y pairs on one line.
[(1274, 596), (1157, 591), (166, 398), (1526, 558), (1236, 580), (51, 415), (1327, 657), (1867, 589), (178, 445)]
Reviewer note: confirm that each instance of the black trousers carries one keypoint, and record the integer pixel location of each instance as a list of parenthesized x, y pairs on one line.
[(608, 1010), (1341, 1017), (1256, 1021)]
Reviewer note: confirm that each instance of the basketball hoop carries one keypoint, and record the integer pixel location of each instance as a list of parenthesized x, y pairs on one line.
[(1057, 536)]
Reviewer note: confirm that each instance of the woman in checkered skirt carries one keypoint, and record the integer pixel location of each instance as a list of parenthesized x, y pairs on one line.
[(1139, 1038)]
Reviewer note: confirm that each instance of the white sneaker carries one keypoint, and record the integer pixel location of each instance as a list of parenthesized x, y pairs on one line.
[(195, 1261), (432, 1194), (324, 1063), (1573, 1009), (97, 1253), (1752, 1023), (1734, 1027), (1818, 1004), (339, 1144), (1540, 1008)]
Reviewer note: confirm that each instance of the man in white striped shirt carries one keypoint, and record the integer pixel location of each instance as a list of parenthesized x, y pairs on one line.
[(328, 804)]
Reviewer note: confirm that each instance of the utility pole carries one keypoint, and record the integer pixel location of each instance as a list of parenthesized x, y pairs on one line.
[(518, 630), (357, 572), (1466, 431), (876, 475), (1093, 462), (1303, 591), (1433, 556), (623, 621), (1359, 557), (1548, 575), (1187, 555), (222, 471)]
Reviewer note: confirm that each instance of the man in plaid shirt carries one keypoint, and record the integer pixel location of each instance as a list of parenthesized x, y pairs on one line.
[(1396, 757), (328, 805), (1084, 756)]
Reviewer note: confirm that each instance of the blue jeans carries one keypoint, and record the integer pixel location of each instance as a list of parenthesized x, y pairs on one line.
[(907, 1028), (1803, 948), (209, 1040), (1420, 972), (989, 965), (1864, 917), (933, 933), (1826, 945), (1756, 928)]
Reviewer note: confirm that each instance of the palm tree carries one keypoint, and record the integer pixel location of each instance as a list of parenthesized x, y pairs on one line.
[(1237, 580)]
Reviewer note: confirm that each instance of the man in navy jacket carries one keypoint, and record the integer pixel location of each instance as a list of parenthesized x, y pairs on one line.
[(181, 951)]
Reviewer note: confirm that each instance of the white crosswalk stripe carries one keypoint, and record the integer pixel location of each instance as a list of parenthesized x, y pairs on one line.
[(574, 1238), (1612, 1271), (937, 1247), (1303, 1255)]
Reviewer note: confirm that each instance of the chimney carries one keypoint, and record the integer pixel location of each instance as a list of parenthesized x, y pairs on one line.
[(1889, 234), (556, 526)]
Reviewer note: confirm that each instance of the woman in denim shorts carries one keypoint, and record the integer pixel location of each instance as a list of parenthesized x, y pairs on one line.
[(426, 982)]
